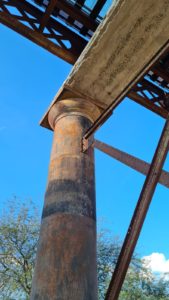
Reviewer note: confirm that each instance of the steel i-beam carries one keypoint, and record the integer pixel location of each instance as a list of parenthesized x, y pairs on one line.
[(139, 215)]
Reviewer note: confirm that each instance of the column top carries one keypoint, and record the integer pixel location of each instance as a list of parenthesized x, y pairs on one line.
[(72, 106)]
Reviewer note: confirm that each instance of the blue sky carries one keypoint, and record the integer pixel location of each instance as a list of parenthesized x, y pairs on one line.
[(29, 79)]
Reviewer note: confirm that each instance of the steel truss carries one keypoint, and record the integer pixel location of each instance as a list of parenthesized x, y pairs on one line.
[(61, 27)]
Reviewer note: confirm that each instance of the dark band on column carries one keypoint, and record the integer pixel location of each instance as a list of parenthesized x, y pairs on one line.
[(66, 196), (67, 208)]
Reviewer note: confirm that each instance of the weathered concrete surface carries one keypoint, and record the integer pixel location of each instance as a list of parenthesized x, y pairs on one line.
[(66, 258), (122, 47), (130, 36)]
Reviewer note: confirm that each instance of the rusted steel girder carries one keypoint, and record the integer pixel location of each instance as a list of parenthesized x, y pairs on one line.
[(130, 161), (66, 257), (14, 12), (139, 215)]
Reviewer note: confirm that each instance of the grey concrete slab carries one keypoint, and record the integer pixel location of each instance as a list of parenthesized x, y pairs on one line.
[(133, 34)]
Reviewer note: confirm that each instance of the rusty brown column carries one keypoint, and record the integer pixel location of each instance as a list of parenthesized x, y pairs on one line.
[(66, 258)]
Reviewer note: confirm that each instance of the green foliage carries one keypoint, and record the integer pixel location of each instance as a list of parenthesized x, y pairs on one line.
[(140, 283), (107, 254), (19, 230)]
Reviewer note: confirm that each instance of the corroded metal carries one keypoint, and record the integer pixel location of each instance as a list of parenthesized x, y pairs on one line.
[(66, 257), (130, 161), (139, 215)]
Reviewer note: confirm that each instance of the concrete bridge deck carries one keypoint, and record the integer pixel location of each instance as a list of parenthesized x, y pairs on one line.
[(126, 44)]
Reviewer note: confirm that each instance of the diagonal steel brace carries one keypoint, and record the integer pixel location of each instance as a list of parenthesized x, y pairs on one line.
[(139, 215), (130, 160)]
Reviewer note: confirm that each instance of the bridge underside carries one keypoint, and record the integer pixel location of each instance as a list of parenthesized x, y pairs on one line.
[(64, 27), (127, 55)]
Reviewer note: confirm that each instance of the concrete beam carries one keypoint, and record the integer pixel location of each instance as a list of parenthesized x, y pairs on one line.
[(131, 38)]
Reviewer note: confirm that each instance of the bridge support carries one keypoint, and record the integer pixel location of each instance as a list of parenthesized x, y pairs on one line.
[(66, 257)]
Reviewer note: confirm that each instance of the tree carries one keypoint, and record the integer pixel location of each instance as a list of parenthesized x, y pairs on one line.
[(139, 284), (19, 230), (107, 254)]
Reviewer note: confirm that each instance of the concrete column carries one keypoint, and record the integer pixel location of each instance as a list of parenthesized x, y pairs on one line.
[(66, 258)]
